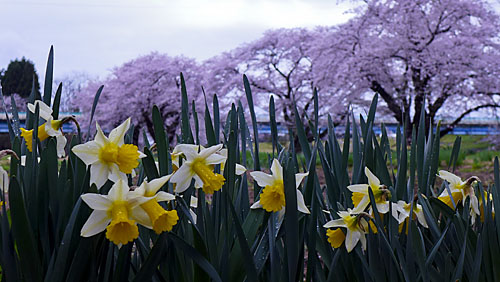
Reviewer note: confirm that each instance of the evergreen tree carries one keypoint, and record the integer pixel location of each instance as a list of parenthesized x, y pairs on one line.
[(18, 78)]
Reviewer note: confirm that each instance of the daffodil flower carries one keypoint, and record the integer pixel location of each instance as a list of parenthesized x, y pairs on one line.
[(401, 212), (199, 165), (150, 214), (177, 153), (51, 128), (361, 199), (109, 157), (356, 227), (459, 190), (272, 197), (113, 213)]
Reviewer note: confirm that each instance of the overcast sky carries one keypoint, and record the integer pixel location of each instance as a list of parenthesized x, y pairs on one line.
[(94, 36)]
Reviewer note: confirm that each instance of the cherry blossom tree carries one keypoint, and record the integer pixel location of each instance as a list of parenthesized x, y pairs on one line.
[(441, 53), (280, 63), (135, 87), (72, 84)]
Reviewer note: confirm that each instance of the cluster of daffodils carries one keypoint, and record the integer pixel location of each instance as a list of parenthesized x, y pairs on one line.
[(357, 222), (123, 208), (459, 191)]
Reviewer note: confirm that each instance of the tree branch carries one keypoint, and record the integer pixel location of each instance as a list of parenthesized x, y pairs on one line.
[(452, 125)]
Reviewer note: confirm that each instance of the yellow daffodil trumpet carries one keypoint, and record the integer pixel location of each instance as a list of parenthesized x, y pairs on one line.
[(272, 197)]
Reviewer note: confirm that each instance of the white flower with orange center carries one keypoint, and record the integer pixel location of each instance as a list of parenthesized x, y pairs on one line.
[(150, 214), (360, 196), (272, 197), (109, 157), (198, 165), (113, 213)]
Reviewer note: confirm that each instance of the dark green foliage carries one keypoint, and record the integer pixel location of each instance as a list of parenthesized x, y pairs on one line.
[(18, 78)]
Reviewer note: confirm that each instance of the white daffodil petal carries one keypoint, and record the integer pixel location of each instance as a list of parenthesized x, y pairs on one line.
[(97, 222), (117, 135), (50, 130), (164, 196), (100, 138), (240, 169), (335, 223), (204, 153), (215, 159), (97, 201), (277, 169), (138, 192), (44, 110), (4, 180), (301, 205), (193, 215), (193, 202), (362, 238), (372, 179), (383, 207), (299, 177), (262, 179), (351, 239), (182, 177), (139, 215), (99, 174), (474, 204), (361, 205), (198, 183), (190, 147), (136, 201), (61, 144), (88, 152), (395, 211), (182, 174), (450, 177), (360, 188), (118, 191), (421, 219), (256, 205), (154, 185), (115, 173)]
